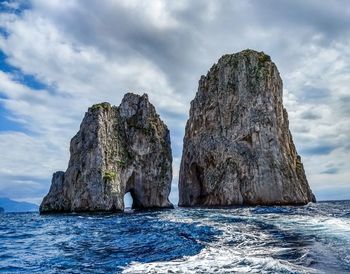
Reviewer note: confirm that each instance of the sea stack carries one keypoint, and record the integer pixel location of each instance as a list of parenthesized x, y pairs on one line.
[(238, 149), (117, 150)]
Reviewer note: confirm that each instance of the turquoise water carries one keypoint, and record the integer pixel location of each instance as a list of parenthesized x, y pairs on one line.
[(309, 239)]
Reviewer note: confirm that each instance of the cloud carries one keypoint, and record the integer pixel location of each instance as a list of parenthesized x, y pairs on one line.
[(59, 58), (309, 115), (331, 170), (315, 94), (318, 150)]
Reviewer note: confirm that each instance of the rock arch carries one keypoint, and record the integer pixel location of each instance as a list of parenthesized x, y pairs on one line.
[(117, 150)]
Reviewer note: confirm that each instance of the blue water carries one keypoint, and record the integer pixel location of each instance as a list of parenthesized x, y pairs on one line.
[(309, 239)]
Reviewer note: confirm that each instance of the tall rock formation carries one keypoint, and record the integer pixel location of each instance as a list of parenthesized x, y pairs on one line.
[(237, 146), (117, 150)]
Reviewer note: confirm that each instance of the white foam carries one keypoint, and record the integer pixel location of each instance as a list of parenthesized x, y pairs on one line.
[(219, 260), (245, 246), (249, 254)]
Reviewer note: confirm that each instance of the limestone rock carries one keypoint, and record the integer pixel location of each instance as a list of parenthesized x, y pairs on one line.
[(237, 146), (117, 150)]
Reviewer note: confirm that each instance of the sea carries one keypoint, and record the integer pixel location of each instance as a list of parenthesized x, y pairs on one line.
[(290, 239)]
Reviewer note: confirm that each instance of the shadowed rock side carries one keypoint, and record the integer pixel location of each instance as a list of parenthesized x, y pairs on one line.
[(117, 150), (237, 146)]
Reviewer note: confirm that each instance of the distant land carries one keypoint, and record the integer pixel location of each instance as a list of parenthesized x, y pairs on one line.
[(13, 206)]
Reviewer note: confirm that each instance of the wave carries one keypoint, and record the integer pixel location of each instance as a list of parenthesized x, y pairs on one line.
[(307, 239)]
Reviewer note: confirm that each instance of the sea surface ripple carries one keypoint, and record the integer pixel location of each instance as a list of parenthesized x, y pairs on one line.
[(310, 239)]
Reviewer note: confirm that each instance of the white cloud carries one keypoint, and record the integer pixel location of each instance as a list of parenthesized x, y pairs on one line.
[(29, 156)]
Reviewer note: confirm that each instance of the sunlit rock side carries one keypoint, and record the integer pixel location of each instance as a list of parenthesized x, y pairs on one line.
[(237, 146), (117, 150)]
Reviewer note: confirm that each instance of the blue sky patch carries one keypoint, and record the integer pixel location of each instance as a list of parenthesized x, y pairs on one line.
[(6, 124), (25, 79)]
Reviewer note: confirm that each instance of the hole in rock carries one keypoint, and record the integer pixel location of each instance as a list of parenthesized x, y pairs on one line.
[(127, 200)]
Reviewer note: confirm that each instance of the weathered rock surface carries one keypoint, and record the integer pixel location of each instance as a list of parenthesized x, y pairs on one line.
[(237, 146), (117, 150)]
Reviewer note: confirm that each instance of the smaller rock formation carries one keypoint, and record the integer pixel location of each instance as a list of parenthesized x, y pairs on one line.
[(117, 150), (237, 146)]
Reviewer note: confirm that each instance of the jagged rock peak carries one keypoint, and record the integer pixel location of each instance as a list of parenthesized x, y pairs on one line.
[(117, 150), (237, 146)]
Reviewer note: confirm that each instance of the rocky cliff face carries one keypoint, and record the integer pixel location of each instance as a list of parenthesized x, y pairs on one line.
[(117, 150), (237, 146)]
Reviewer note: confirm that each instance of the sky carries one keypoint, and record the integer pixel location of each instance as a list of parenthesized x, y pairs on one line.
[(57, 58)]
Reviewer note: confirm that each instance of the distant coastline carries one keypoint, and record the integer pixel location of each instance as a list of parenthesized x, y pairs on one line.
[(13, 206)]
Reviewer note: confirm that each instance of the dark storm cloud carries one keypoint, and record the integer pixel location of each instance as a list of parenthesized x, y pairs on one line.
[(301, 129), (318, 149), (204, 29), (344, 105), (123, 33), (310, 115), (314, 94), (171, 115), (330, 18), (331, 170)]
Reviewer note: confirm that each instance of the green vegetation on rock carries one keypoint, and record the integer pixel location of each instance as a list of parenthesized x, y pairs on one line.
[(264, 57), (109, 176), (103, 105), (121, 163)]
